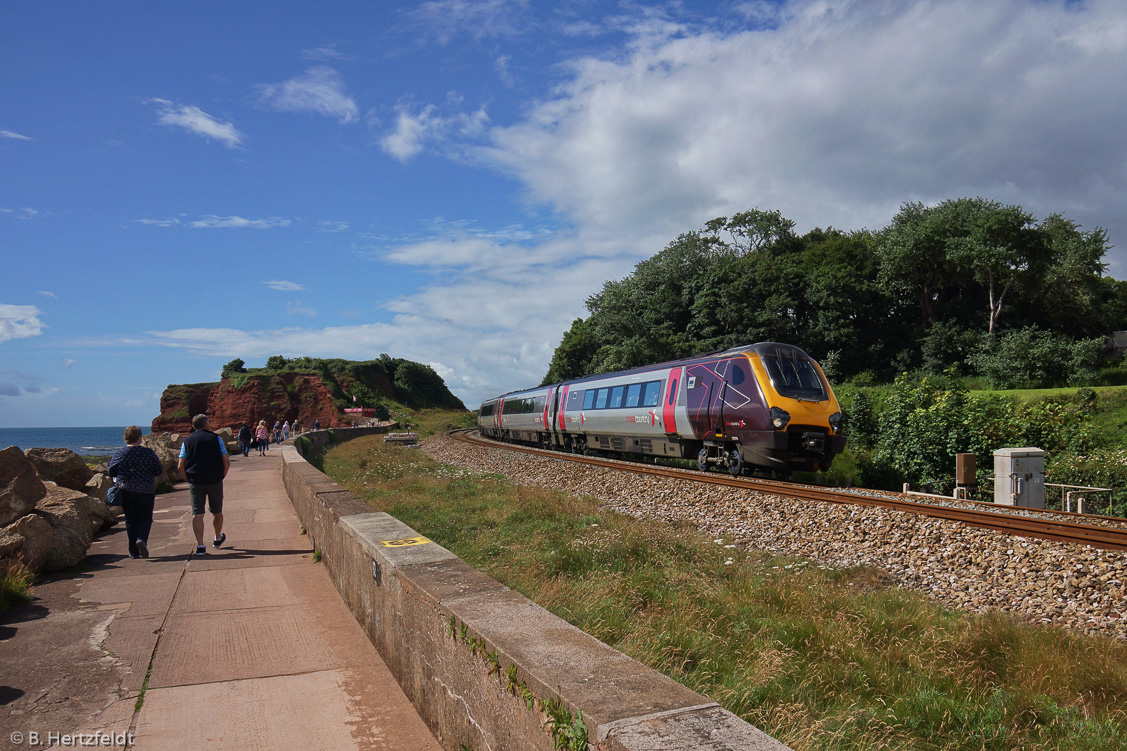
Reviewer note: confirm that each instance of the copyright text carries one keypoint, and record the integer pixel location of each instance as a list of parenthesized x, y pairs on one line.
[(97, 739)]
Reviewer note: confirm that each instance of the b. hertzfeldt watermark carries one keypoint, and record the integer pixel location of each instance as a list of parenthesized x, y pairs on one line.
[(56, 739)]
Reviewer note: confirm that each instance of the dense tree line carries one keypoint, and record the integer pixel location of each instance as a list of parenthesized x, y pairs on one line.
[(968, 286)]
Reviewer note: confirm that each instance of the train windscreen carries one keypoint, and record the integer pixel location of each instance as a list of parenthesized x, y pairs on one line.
[(793, 373)]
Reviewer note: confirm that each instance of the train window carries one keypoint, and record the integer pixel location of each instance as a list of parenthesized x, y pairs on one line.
[(793, 374), (673, 392), (589, 399), (633, 394), (601, 399), (616, 397), (486, 410), (653, 394), (736, 377), (540, 402)]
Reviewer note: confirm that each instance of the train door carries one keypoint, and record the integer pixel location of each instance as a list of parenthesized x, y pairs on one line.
[(703, 392)]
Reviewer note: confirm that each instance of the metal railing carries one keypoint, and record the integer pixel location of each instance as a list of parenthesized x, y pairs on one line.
[(1067, 493)]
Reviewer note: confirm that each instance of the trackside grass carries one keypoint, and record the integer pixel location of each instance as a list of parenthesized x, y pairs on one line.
[(821, 659)]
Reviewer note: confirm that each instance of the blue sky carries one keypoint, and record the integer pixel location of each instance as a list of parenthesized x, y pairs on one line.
[(448, 181)]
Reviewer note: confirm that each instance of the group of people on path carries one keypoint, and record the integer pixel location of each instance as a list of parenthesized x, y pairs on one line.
[(260, 437), (203, 462)]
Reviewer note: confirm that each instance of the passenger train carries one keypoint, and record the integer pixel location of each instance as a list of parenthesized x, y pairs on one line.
[(765, 406)]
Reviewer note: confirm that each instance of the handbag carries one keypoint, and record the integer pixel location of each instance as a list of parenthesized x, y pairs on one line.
[(114, 496)]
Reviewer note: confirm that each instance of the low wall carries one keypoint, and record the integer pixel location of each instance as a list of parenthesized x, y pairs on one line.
[(471, 654)]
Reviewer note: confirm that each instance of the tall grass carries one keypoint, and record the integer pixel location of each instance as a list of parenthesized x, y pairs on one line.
[(819, 658), (15, 583)]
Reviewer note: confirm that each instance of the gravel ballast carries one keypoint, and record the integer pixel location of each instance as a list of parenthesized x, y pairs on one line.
[(1041, 581)]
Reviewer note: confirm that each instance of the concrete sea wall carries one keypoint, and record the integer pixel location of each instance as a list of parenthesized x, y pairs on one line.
[(471, 654)]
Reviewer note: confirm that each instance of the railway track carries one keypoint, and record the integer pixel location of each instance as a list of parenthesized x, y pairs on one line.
[(1021, 525)]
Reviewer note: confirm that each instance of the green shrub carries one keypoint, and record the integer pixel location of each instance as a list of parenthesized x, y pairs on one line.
[(1031, 358)]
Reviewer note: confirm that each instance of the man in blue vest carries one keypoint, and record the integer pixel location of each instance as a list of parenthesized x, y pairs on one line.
[(204, 464)]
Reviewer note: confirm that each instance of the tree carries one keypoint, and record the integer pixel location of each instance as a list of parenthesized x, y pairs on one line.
[(913, 258), (275, 362), (998, 244), (751, 231), (235, 366), (574, 355)]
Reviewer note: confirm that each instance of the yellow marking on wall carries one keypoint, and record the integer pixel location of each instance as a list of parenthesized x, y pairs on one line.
[(405, 542)]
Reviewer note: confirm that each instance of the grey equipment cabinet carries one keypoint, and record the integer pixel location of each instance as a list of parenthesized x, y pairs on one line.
[(1019, 477)]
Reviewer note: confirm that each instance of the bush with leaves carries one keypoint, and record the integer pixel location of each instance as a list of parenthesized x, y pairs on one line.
[(914, 433), (1031, 358)]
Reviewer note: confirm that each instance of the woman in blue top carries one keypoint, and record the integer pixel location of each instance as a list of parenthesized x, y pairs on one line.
[(135, 470)]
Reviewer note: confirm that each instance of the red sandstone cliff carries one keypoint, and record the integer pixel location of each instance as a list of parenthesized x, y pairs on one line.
[(281, 397)]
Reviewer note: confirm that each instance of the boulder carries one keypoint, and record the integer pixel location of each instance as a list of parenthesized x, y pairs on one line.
[(98, 485), (35, 536), (61, 466), (10, 543), (68, 549), (101, 516), (64, 508), (20, 486), (167, 448)]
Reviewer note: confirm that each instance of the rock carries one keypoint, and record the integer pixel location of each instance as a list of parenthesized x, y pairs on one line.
[(98, 485), (64, 508), (167, 448), (10, 543), (20, 486), (68, 549), (61, 466), (35, 536), (101, 516)]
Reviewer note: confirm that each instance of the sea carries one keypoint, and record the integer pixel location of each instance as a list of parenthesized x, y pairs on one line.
[(84, 441)]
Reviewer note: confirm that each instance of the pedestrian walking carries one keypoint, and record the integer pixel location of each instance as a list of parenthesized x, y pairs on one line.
[(204, 464), (245, 437), (296, 428), (277, 432), (135, 469), (316, 424), (286, 430), (263, 438)]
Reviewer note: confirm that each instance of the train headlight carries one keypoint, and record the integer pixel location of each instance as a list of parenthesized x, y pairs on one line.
[(779, 418), (835, 422)]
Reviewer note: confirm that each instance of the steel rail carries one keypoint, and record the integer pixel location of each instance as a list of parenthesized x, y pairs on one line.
[(1108, 538)]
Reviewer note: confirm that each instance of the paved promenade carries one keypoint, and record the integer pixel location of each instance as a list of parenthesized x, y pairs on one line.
[(249, 647)]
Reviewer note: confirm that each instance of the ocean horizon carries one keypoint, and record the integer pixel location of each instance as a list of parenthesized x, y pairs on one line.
[(89, 441)]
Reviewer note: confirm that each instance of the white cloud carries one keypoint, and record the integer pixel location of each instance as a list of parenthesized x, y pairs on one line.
[(24, 213), (331, 226), (212, 222), (283, 286), (67, 363), (195, 120), (320, 91), (836, 114), (46, 293), (296, 308), (503, 71), (416, 128), (326, 52), (157, 222), (443, 20), (16, 136), (19, 322)]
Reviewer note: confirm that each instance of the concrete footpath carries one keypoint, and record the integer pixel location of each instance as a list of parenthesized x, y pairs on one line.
[(249, 647)]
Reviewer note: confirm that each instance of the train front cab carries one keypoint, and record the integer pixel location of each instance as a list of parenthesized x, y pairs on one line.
[(803, 418)]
